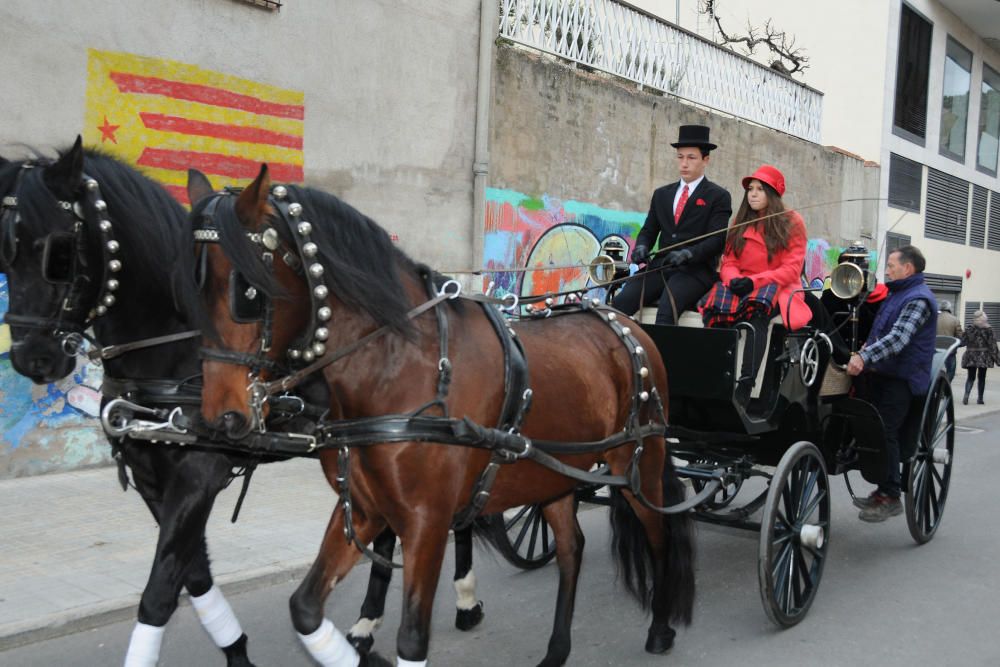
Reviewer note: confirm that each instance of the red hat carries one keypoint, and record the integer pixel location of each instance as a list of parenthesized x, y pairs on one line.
[(767, 174)]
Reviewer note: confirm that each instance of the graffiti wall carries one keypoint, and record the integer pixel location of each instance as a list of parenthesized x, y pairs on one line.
[(164, 117), (555, 240)]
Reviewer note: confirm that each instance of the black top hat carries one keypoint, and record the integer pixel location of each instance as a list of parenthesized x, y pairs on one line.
[(694, 135)]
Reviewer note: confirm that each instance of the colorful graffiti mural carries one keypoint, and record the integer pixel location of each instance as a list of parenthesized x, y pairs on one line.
[(556, 239), (50, 426), (166, 117)]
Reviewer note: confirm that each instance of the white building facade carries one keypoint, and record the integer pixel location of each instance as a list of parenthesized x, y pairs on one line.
[(915, 86)]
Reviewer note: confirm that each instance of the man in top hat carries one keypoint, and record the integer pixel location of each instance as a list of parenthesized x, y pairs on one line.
[(679, 212)]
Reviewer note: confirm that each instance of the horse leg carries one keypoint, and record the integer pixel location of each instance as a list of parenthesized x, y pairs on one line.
[(361, 634), (423, 553), (469, 610), (322, 640), (182, 512), (214, 612), (561, 516)]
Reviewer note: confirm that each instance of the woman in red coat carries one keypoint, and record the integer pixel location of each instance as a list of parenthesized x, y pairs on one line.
[(761, 268)]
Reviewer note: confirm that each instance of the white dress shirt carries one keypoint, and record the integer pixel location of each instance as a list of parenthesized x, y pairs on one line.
[(691, 188)]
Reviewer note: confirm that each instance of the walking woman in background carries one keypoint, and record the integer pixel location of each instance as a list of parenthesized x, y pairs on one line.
[(981, 353)]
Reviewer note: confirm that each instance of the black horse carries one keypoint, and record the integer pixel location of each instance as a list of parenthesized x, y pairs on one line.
[(87, 241)]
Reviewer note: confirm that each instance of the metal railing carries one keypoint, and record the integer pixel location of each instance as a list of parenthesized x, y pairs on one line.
[(616, 38)]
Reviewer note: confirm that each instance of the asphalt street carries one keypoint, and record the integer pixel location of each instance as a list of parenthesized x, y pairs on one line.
[(882, 600)]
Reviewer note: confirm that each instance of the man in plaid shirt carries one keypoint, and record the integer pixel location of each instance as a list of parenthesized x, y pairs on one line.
[(898, 356)]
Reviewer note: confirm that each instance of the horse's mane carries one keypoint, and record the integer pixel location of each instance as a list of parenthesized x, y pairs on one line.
[(362, 266), (146, 219)]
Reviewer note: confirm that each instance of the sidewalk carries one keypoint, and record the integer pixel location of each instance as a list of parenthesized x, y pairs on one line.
[(76, 550)]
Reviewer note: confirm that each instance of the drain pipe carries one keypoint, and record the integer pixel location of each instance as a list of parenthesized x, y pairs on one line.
[(488, 25)]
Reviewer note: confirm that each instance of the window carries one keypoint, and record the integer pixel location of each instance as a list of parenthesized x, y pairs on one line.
[(955, 103), (947, 207), (970, 308), (993, 240), (895, 241), (992, 310), (977, 228), (912, 68), (989, 122), (906, 179)]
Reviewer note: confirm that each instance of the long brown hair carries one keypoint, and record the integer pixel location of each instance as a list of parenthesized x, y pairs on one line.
[(776, 226)]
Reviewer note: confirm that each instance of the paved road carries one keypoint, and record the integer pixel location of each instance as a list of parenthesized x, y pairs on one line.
[(882, 601)]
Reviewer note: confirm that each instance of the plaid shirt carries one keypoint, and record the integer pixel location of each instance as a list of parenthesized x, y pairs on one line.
[(914, 315)]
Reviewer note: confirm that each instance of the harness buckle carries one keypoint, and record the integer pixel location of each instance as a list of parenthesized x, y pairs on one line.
[(71, 343), (454, 293), (513, 301)]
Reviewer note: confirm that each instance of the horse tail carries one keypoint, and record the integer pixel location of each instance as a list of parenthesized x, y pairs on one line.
[(630, 549), (635, 559), (679, 529)]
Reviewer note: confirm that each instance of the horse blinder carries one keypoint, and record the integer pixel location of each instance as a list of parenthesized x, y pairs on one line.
[(59, 258)]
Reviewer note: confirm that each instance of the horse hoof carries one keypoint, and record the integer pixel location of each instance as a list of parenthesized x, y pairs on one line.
[(362, 645), (466, 619), (373, 660), (236, 653), (660, 640)]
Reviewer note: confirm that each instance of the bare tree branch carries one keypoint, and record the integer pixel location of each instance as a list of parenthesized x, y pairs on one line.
[(780, 43)]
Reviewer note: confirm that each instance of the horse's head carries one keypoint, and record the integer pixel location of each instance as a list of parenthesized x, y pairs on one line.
[(58, 252), (245, 263)]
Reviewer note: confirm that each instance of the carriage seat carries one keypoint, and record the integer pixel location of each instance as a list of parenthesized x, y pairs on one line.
[(689, 318)]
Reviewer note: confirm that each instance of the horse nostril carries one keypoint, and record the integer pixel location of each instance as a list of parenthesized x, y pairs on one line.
[(235, 425)]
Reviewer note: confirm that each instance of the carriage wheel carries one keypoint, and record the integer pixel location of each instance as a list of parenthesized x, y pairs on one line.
[(930, 469), (794, 534), (523, 536)]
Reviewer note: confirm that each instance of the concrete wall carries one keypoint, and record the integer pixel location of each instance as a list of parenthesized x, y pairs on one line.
[(388, 89), (583, 149)]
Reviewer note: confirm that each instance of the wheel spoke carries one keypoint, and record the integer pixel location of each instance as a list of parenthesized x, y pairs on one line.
[(535, 520), (779, 563), (779, 516), (517, 517), (815, 553), (813, 504), (807, 490), (525, 525), (545, 537)]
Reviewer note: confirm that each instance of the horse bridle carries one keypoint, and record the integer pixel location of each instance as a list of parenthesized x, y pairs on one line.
[(73, 243), (311, 344)]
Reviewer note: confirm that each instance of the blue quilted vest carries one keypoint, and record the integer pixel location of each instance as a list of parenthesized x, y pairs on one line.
[(913, 364)]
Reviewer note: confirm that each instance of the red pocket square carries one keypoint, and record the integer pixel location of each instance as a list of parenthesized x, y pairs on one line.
[(700, 202)]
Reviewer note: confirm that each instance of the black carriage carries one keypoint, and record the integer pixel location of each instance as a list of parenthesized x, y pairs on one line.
[(803, 423)]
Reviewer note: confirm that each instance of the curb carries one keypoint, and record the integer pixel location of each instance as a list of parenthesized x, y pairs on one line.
[(14, 635)]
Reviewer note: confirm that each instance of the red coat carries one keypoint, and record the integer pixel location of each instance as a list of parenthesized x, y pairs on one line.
[(785, 269)]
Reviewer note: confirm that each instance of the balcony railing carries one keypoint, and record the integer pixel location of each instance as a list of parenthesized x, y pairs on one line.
[(616, 38)]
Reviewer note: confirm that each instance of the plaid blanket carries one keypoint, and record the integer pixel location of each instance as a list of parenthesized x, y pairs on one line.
[(722, 308)]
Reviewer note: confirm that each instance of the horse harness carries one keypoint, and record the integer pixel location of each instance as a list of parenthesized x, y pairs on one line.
[(504, 441)]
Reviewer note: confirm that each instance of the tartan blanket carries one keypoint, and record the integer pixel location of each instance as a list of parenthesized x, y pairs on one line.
[(721, 308)]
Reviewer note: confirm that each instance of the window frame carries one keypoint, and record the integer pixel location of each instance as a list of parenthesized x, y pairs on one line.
[(901, 60), (958, 46), (979, 134)]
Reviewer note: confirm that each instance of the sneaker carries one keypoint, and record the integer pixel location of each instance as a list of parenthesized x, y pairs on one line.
[(882, 508), (862, 503)]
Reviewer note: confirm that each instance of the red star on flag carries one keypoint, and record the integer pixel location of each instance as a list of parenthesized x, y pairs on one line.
[(108, 131)]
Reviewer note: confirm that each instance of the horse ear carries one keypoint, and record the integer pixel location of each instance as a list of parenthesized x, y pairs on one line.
[(63, 175), (253, 199), (198, 186)]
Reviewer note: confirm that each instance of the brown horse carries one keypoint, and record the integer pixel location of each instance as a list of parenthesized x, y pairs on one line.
[(583, 375)]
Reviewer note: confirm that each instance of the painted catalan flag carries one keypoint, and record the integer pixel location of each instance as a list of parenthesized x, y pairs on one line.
[(166, 117)]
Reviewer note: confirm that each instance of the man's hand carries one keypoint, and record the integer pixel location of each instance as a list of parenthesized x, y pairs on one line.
[(640, 255), (741, 286), (856, 365), (677, 257)]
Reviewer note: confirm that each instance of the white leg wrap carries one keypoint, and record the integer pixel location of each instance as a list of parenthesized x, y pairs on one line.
[(330, 648), (410, 663), (466, 589), (365, 627), (144, 646), (217, 617)]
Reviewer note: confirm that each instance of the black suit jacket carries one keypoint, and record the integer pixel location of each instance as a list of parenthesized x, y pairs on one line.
[(712, 214)]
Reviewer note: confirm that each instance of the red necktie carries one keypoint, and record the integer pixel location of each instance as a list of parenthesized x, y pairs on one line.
[(680, 204)]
